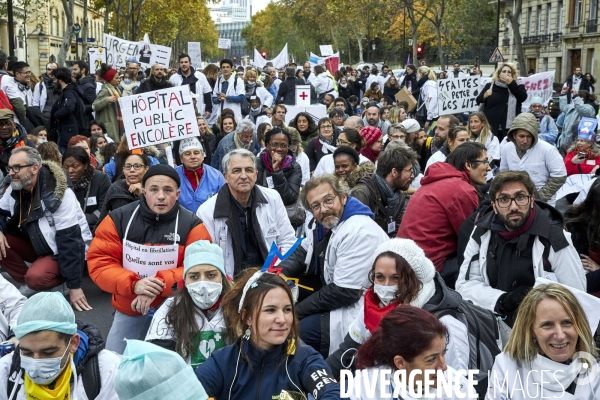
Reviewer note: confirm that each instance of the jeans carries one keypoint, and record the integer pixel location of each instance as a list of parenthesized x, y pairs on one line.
[(126, 327), (310, 331)]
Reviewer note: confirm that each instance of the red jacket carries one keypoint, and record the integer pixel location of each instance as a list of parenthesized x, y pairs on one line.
[(437, 210), (585, 167)]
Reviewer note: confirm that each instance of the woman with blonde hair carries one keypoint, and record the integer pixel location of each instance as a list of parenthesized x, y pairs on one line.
[(479, 131), (427, 108), (502, 99), (298, 150), (551, 350), (254, 87)]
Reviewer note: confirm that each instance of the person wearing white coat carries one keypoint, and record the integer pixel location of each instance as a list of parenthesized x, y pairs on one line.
[(323, 82), (543, 361), (266, 219), (412, 341), (11, 302), (229, 91)]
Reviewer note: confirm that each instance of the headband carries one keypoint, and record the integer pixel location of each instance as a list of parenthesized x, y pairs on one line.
[(109, 75)]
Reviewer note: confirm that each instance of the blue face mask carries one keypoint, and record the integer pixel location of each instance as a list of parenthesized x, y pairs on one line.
[(43, 371), (127, 81)]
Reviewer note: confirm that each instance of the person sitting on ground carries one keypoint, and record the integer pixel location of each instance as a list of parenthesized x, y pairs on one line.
[(193, 317), (83, 142), (325, 143), (514, 241), (346, 166), (373, 142), (583, 157), (269, 358), (548, 128), (348, 137), (138, 251), (57, 356), (89, 185), (12, 136), (49, 152), (457, 136), (242, 137), (13, 303)]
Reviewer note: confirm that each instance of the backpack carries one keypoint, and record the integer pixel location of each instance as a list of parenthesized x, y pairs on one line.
[(484, 335), (83, 122), (4, 102)]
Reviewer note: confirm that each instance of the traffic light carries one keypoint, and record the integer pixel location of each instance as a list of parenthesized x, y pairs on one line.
[(419, 51), (264, 54), (73, 48)]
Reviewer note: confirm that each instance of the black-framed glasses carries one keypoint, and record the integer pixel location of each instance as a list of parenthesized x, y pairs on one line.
[(17, 168), (135, 166), (342, 142), (487, 162), (281, 146), (328, 202), (520, 200)]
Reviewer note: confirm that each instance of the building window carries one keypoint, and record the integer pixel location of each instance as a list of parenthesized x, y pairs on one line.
[(593, 10), (577, 12), (548, 13), (528, 26), (538, 24), (559, 17)]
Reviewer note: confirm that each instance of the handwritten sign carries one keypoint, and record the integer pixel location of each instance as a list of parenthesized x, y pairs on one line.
[(538, 85), (118, 51), (195, 52), (159, 117), (458, 95), (224, 43)]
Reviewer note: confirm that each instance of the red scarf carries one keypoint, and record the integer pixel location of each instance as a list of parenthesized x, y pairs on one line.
[(370, 153), (373, 313), (194, 176), (508, 236)]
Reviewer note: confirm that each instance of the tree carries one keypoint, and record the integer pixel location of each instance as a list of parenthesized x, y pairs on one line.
[(516, 28), (69, 6), (435, 15)]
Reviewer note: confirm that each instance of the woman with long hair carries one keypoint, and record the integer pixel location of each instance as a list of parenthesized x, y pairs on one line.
[(106, 104), (502, 99), (254, 87), (552, 344), (456, 136), (191, 323), (323, 144), (269, 358), (212, 75), (479, 131), (427, 107), (305, 124), (391, 87)]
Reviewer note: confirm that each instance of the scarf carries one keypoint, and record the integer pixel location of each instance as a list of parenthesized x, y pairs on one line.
[(390, 198), (511, 111), (61, 391), (238, 143), (250, 89), (373, 313), (85, 179), (10, 143), (539, 115), (510, 235), (194, 176), (370, 153), (268, 163), (254, 111), (23, 87), (113, 91), (327, 146), (553, 375)]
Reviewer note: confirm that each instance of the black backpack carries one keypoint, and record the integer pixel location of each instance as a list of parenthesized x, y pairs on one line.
[(83, 122)]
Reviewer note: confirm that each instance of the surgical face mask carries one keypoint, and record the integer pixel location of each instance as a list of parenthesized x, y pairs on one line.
[(43, 371), (204, 293), (385, 293), (40, 141), (127, 81)]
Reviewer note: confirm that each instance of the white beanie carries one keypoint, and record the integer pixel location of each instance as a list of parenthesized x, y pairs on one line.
[(411, 125), (420, 264), (190, 144)]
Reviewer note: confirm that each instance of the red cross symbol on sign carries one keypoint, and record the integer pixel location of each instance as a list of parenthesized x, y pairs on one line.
[(304, 95)]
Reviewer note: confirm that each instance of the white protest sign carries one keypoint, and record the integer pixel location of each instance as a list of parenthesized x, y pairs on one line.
[(224, 43), (458, 95), (96, 57), (118, 51), (195, 52), (158, 117), (538, 85), (326, 50), (303, 95)]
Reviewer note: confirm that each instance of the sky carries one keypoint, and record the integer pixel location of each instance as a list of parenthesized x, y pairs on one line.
[(258, 5)]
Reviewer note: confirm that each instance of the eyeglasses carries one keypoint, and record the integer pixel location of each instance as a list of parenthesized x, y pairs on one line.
[(5, 123), (487, 162), (342, 142), (135, 166), (326, 127), (520, 200), (281, 146), (17, 168), (24, 73), (410, 170), (328, 202)]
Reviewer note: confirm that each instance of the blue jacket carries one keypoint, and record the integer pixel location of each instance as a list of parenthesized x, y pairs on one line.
[(267, 376), (211, 182), (226, 145), (548, 130)]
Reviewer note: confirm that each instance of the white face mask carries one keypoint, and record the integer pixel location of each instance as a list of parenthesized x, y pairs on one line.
[(43, 371), (204, 293), (40, 141), (385, 293)]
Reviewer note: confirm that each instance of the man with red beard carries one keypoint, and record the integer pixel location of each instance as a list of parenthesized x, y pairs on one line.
[(515, 241)]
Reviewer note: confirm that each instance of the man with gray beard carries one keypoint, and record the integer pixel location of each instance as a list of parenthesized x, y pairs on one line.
[(337, 251), (42, 223)]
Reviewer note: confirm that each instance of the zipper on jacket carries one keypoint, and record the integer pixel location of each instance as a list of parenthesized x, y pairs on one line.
[(262, 370)]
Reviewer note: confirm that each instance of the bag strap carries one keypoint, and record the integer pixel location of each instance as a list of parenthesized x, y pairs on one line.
[(91, 377)]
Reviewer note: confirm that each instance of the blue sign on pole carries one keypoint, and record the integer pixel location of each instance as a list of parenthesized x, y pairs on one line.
[(91, 40)]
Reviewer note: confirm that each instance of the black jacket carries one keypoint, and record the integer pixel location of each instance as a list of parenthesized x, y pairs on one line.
[(6, 147), (409, 78), (91, 197), (345, 92), (151, 84), (117, 195), (63, 120), (496, 106), (87, 89), (286, 181), (584, 85), (314, 150), (367, 192)]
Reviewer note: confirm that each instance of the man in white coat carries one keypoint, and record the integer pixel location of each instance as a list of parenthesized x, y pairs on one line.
[(339, 251), (187, 75), (513, 242), (525, 152), (244, 219), (229, 91)]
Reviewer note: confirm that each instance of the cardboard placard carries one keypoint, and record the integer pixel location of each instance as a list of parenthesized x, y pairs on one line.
[(405, 95)]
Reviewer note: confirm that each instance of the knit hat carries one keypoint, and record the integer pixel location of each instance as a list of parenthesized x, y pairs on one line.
[(203, 252), (526, 121), (190, 144), (371, 135), (411, 125), (347, 150), (109, 75), (420, 264), (161, 169), (46, 311), (536, 100), (150, 372)]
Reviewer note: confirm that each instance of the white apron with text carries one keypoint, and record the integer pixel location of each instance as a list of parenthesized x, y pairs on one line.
[(148, 260)]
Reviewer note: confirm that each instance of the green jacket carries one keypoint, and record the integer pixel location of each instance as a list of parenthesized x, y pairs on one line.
[(106, 112)]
